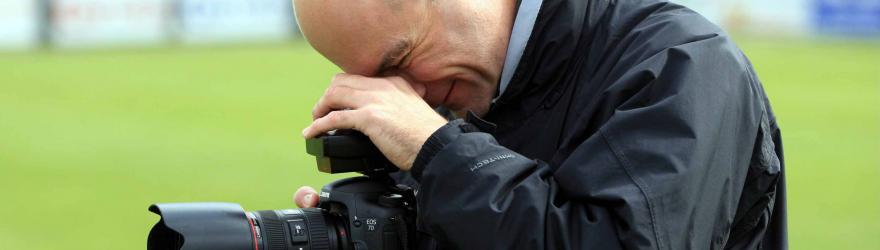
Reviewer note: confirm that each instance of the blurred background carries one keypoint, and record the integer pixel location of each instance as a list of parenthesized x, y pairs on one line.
[(107, 106)]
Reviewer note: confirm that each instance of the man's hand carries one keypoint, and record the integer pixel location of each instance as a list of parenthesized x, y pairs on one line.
[(389, 110)]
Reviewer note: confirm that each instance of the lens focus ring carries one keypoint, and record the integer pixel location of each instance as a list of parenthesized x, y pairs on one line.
[(274, 230), (319, 238)]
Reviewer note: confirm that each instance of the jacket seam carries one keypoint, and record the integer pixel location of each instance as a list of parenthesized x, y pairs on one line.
[(626, 166)]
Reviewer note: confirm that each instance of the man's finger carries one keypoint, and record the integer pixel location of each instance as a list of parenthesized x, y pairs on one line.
[(338, 97), (305, 197), (339, 119)]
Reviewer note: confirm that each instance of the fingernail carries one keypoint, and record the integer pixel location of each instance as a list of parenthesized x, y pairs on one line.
[(305, 130)]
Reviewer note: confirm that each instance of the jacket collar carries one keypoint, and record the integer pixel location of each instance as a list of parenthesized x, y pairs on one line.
[(556, 37), (523, 24)]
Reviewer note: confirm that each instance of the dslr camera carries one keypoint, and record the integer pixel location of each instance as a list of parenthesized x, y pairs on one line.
[(364, 212)]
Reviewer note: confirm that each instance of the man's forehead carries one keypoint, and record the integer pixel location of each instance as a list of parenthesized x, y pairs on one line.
[(358, 36), (370, 58)]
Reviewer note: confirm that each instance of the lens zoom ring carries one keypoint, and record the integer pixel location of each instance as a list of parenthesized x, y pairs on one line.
[(273, 230), (318, 235)]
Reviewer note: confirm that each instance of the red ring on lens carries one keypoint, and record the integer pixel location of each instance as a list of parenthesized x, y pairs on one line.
[(254, 233)]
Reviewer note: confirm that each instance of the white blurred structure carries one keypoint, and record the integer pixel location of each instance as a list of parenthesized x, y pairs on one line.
[(100, 23), (211, 21), (19, 24), (108, 23), (777, 17), (91, 23)]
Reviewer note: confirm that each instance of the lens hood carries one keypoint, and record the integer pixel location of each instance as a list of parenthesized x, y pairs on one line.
[(201, 226)]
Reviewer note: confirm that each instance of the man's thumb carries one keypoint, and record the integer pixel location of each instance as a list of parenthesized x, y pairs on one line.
[(306, 197)]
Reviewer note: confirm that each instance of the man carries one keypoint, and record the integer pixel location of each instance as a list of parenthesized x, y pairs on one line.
[(587, 124)]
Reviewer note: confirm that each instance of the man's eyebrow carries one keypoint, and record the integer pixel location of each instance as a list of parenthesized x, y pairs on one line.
[(390, 56)]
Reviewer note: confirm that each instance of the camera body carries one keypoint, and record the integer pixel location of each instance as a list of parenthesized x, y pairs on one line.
[(378, 216), (364, 212)]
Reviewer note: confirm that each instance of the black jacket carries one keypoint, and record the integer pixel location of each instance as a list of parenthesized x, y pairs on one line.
[(628, 124)]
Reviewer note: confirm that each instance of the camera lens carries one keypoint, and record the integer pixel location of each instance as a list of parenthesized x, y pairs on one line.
[(308, 228), (226, 226)]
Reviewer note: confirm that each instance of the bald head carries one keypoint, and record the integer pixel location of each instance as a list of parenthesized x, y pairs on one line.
[(357, 35), (455, 48)]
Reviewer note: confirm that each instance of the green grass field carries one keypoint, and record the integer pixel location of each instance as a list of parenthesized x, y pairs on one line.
[(89, 139)]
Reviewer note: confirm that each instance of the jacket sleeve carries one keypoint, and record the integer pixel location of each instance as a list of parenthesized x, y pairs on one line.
[(476, 194), (665, 171)]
